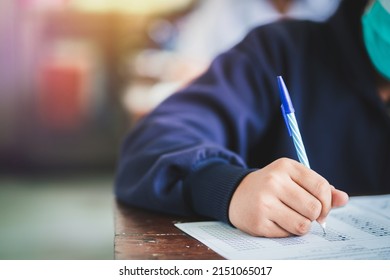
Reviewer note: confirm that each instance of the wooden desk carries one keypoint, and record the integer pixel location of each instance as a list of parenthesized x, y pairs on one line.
[(141, 235)]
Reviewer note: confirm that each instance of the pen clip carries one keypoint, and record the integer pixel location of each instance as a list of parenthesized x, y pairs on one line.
[(286, 120)]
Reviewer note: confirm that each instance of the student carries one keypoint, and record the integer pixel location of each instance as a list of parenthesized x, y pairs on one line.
[(219, 148)]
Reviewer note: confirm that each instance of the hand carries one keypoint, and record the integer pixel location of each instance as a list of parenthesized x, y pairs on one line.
[(282, 199)]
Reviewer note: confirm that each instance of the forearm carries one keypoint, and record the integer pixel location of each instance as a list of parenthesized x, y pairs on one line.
[(178, 179), (189, 155)]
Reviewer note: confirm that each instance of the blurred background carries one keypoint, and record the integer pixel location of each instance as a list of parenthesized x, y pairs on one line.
[(75, 76)]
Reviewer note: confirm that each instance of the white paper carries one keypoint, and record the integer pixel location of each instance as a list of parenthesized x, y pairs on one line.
[(359, 230)]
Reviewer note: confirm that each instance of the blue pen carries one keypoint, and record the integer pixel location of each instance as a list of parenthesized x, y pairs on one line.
[(292, 126)]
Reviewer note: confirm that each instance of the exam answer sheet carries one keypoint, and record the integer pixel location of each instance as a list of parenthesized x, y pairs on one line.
[(359, 230)]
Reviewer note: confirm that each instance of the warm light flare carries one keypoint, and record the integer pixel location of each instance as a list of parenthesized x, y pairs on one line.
[(130, 6)]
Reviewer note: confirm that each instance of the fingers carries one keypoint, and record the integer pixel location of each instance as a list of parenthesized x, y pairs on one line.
[(301, 201), (320, 202), (281, 199), (279, 220), (323, 195), (272, 229), (275, 219), (268, 228), (291, 220)]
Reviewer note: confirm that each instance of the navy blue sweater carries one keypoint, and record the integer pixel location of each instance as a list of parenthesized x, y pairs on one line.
[(188, 156)]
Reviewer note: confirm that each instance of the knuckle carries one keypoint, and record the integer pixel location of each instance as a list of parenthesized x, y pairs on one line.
[(283, 163), (266, 230), (303, 227), (259, 228), (265, 205), (314, 209), (322, 188), (272, 180), (271, 185)]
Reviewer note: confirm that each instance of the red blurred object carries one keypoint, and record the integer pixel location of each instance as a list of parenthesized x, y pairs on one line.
[(62, 95)]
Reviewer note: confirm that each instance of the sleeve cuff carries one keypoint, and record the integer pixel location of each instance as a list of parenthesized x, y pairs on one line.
[(211, 188)]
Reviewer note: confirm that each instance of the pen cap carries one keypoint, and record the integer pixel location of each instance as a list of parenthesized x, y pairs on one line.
[(285, 97)]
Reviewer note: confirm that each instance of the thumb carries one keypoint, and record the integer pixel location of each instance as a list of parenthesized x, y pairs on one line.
[(339, 198)]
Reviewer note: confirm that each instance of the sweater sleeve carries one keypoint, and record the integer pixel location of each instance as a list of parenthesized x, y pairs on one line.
[(189, 155), (212, 187)]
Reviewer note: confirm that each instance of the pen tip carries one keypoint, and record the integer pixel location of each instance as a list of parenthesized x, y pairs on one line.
[(323, 226)]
